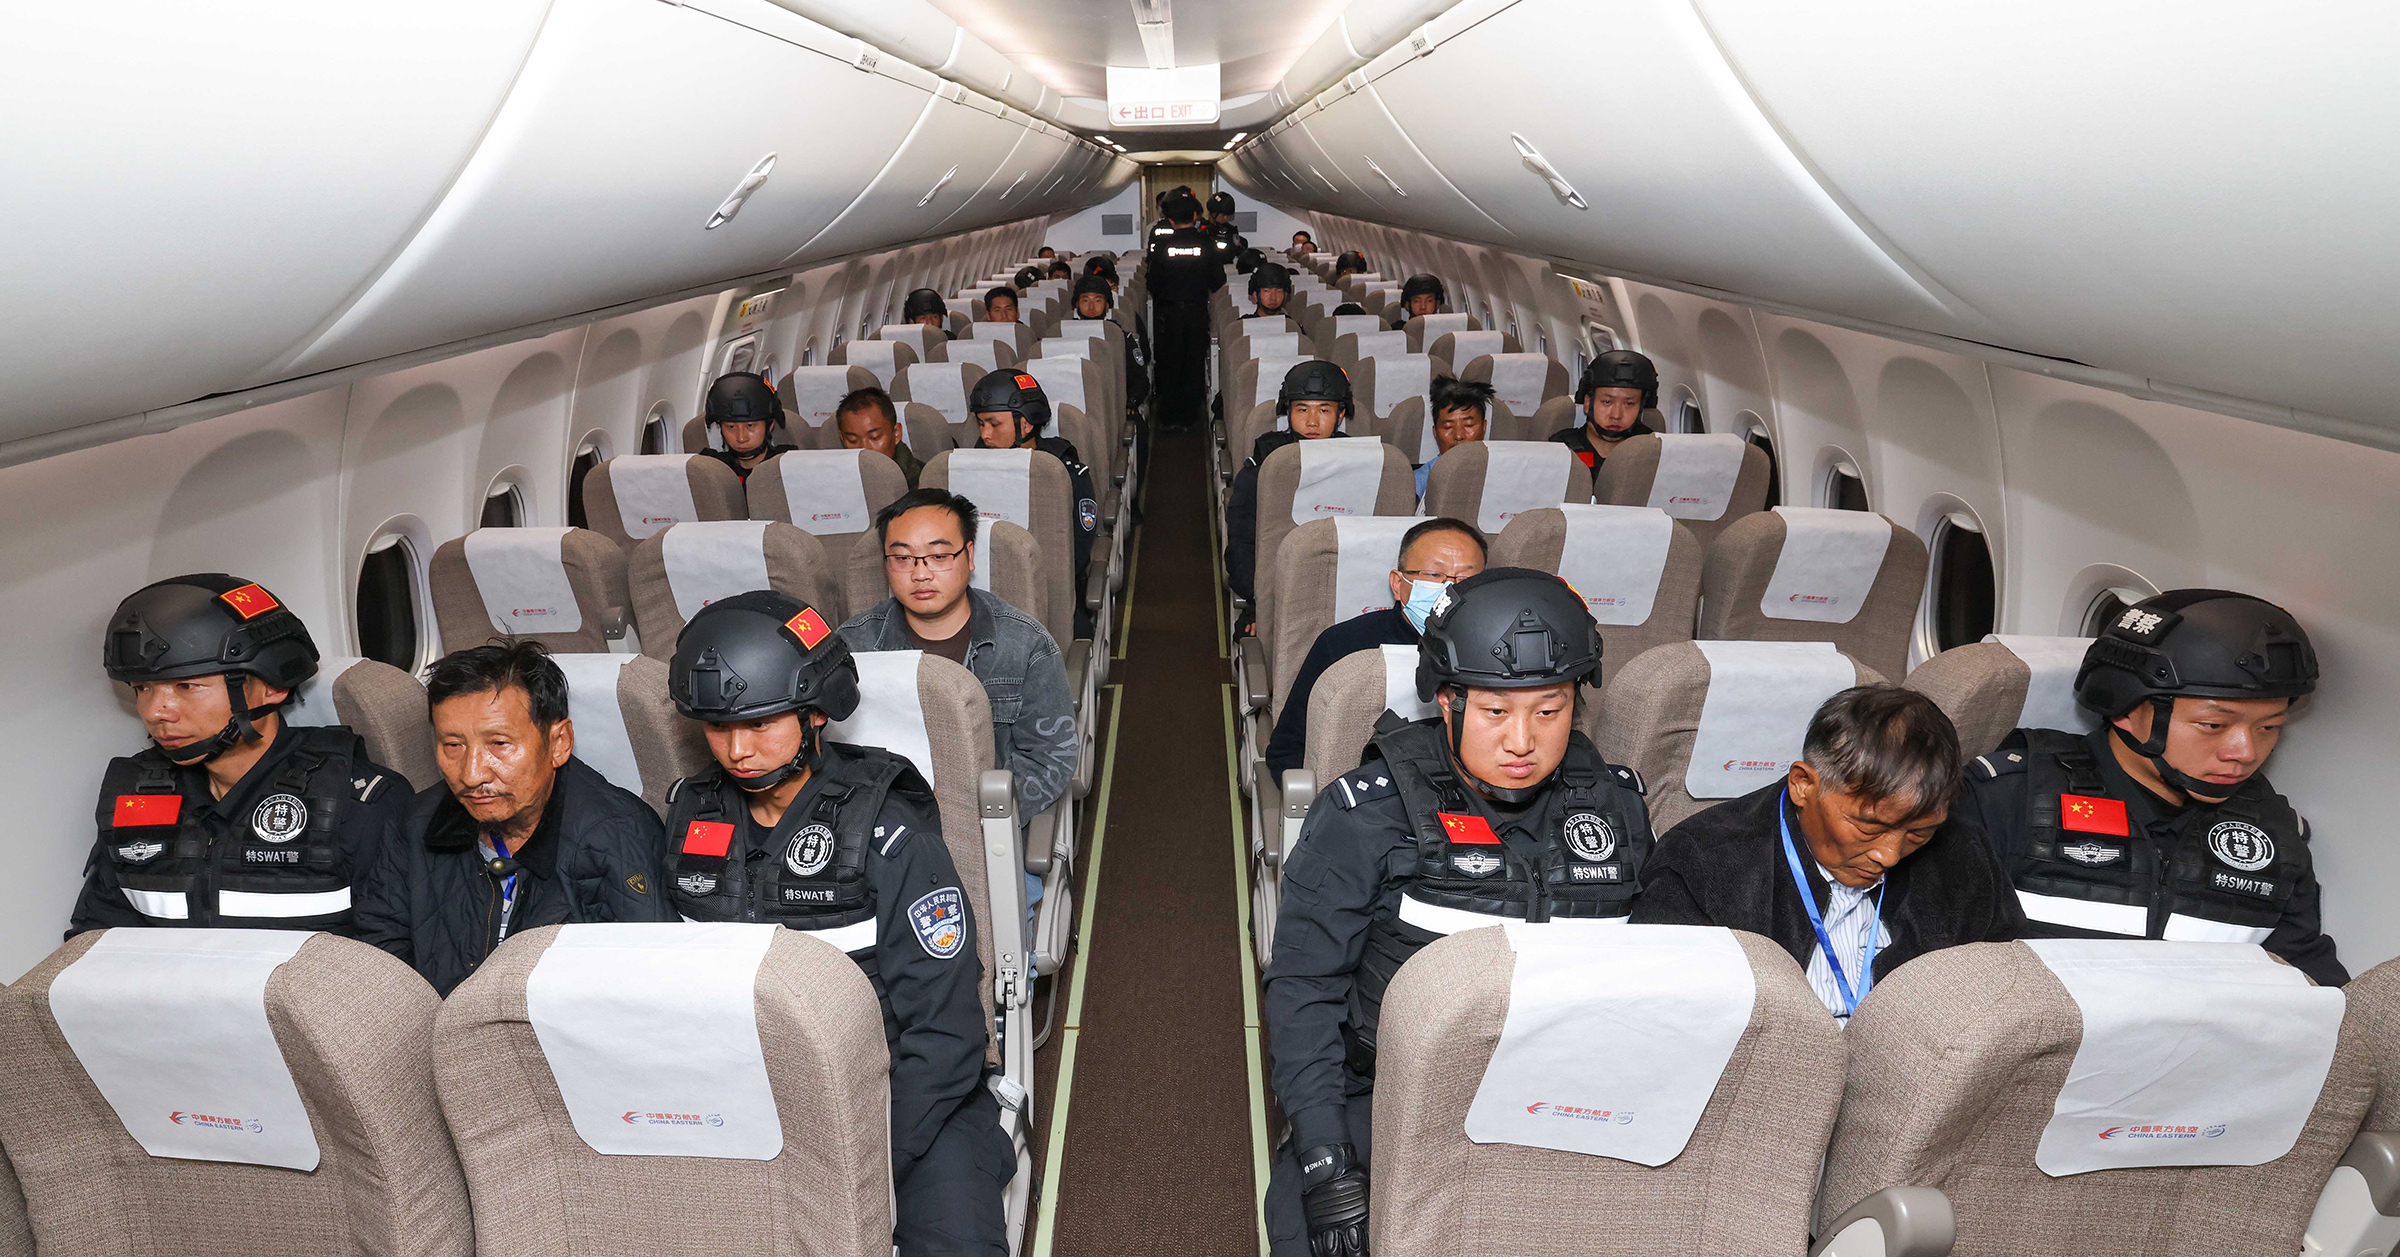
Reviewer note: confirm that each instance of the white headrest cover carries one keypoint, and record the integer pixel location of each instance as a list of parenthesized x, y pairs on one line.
[(1466, 347), (1827, 565), (983, 353), (713, 560), (651, 1032), (1347, 324), (521, 575), (815, 392), (1065, 347), (996, 331), (1365, 549), (1270, 377), (1615, 556), (2050, 691), (1274, 345), (878, 357), (943, 386), (1675, 997), (313, 705), (653, 491), (998, 482), (1062, 381), (890, 714), (1370, 280), (601, 739), (1091, 329), (1436, 326), (171, 1027), (1377, 344), (1521, 476), (916, 336), (1761, 696), (824, 491), (1400, 681), (1340, 475), (2192, 1054), (1518, 380), (1696, 474), (1262, 324)]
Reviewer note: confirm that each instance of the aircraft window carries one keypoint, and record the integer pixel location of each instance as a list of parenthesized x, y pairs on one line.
[(1844, 488), (387, 602), (766, 368), (1963, 594), (739, 355), (1755, 432), (1542, 335), (654, 435), (1687, 414), (503, 507), (586, 458), (808, 353), (1486, 317), (2107, 606)]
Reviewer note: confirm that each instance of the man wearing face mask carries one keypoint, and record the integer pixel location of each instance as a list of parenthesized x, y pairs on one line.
[(2160, 823), (1434, 556), (1314, 402), (1856, 862), (231, 817), (1494, 810), (1616, 388)]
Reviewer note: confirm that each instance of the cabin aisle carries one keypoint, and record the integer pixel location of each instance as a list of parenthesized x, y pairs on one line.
[(1151, 1057)]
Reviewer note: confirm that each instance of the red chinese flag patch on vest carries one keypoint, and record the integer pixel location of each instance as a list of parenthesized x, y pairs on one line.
[(1469, 829), (707, 838), (250, 601), (148, 809), (809, 627), (2086, 815)]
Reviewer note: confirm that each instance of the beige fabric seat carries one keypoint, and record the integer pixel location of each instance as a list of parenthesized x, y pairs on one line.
[(1629, 477), (883, 359), (941, 386), (1425, 329), (626, 725), (1254, 380), (925, 342), (1268, 345), (1491, 483), (1649, 717), (1393, 391), (1280, 510), (1080, 383), (632, 496), (1316, 565), (1049, 498), (1543, 540), (1992, 687), (809, 398), (1522, 382), (1463, 347), (991, 355), (1350, 347), (1743, 1184), (1338, 326), (1019, 337), (356, 1029), (1553, 416), (820, 492), (540, 1190), (384, 706), (577, 601), (16, 1229), (688, 566), (1349, 698), (1738, 602), (1956, 1062)]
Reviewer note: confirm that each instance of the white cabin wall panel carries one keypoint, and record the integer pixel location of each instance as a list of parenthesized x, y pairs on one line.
[(1080, 233), (598, 179), (173, 229)]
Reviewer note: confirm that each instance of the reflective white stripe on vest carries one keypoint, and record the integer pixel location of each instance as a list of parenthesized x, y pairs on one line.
[(243, 903), (2183, 929), (1441, 920), (2130, 920), (857, 936), (166, 905)]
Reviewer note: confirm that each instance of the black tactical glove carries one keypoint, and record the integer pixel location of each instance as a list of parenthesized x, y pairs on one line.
[(1333, 1192)]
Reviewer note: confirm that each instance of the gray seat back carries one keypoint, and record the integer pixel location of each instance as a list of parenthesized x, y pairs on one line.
[(562, 587)]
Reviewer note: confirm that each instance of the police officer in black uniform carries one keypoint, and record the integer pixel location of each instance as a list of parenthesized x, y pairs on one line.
[(1010, 412), (1270, 291), (742, 406), (2159, 823), (925, 305), (1420, 295), (844, 842), (1315, 403), (1225, 242), (1182, 275), (1614, 392), (232, 817), (1495, 810)]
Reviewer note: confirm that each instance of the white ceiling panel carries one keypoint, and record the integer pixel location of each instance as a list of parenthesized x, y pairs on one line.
[(1071, 43)]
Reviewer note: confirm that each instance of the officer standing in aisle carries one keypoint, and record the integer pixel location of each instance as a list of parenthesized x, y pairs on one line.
[(1181, 278), (2160, 824), (231, 817), (1495, 810), (1224, 239)]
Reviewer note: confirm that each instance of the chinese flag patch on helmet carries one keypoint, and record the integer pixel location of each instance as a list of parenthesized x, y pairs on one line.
[(250, 601), (1027, 381), (809, 627)]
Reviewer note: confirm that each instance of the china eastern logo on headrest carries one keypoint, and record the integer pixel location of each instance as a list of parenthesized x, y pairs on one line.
[(809, 627), (250, 601), (1027, 381)]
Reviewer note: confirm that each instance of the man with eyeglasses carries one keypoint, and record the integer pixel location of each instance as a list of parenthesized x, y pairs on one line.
[(928, 541), (1434, 556)]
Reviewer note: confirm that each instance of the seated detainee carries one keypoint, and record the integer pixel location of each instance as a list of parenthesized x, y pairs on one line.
[(1856, 862), (1434, 556), (1046, 252), (1011, 410), (1352, 262), (519, 835), (1270, 290), (926, 308), (231, 817), (1303, 244), (2193, 686), (1096, 298), (1314, 402), (1348, 307), (743, 407), (928, 541), (1614, 391), (1060, 269), (1461, 411), (1000, 305), (1420, 295), (867, 421), (844, 842)]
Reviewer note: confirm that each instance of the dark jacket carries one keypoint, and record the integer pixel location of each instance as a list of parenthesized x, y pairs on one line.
[(1725, 866), (1241, 520), (910, 465), (730, 459), (598, 855), (1085, 509), (1388, 627), (1580, 441)]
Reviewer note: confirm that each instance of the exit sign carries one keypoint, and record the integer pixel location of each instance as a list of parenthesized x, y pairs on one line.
[(1184, 96)]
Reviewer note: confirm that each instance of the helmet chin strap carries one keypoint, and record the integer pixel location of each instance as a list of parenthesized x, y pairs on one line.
[(811, 753), (2154, 749), (1458, 724), (238, 729)]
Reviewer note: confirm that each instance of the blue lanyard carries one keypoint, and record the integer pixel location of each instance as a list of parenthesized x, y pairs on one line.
[(1816, 920), (492, 850)]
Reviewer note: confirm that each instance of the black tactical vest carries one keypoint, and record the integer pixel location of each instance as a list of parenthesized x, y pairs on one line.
[(2236, 863), (1587, 863), (815, 878), (156, 837)]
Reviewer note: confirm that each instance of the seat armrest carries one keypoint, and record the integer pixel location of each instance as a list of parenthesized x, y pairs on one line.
[(1040, 838), (1254, 674), (1095, 588), (1894, 1222), (613, 623), (2376, 1157)]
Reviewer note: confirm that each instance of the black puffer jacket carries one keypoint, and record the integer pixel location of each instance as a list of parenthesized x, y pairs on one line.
[(598, 855)]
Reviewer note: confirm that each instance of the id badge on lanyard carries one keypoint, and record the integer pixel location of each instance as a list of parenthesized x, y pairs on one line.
[(1816, 919), (508, 890)]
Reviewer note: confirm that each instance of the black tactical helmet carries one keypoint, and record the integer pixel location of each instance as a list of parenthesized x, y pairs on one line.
[(1221, 203), (1423, 284), (1094, 283), (1313, 381), (1180, 206), (1248, 260), (761, 653), (743, 397), (1011, 391), (207, 624), (922, 302), (1620, 368), (1026, 278), (1351, 261), (1508, 628), (2196, 643), (1269, 275), (1102, 265)]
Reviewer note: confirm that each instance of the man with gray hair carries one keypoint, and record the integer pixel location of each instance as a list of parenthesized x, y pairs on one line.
[(1855, 862)]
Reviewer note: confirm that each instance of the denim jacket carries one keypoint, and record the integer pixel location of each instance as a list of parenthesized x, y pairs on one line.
[(1024, 676)]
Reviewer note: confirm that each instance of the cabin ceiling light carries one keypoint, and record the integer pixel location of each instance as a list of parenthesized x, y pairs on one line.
[(1156, 22)]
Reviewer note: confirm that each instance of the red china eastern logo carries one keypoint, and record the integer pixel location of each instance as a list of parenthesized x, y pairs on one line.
[(1323, 508), (658, 519), (1546, 1109), (204, 1121), (1678, 501), (1753, 766), (636, 1117), (1821, 600), (534, 611), (822, 515), (2163, 1131)]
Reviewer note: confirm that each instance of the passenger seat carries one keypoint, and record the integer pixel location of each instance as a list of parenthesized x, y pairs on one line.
[(1522, 384), (814, 392), (1393, 391), (562, 587), (2004, 683), (1465, 347), (684, 568), (384, 706), (633, 496), (927, 343), (626, 725), (1491, 483), (1708, 482), (991, 355), (883, 359), (1637, 569), (833, 495), (1813, 574), (1425, 329)]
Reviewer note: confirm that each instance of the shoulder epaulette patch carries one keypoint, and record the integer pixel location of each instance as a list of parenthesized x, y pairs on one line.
[(1997, 764), (1355, 788), (676, 789), (367, 787), (1630, 779)]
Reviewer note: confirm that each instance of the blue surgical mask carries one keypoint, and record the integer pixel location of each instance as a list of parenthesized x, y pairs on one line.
[(1422, 597)]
